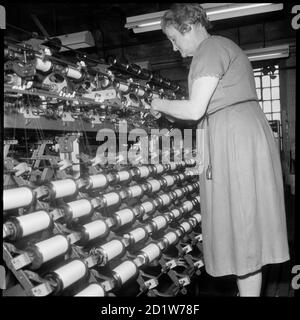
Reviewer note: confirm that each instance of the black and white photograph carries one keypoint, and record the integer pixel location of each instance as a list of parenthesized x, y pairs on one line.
[(149, 154)]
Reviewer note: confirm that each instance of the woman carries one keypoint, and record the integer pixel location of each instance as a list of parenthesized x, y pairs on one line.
[(242, 202)]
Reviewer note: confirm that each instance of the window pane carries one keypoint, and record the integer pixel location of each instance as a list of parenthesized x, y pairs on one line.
[(258, 94), (267, 106), (266, 94), (275, 82), (261, 105), (275, 93), (266, 81), (276, 116), (276, 106), (269, 116), (257, 82)]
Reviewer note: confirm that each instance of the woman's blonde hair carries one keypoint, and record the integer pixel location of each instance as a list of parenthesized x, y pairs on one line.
[(182, 14)]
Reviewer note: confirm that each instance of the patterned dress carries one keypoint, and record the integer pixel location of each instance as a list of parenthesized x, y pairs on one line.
[(243, 213)]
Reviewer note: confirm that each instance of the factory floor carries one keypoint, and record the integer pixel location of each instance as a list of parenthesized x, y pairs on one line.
[(276, 278)]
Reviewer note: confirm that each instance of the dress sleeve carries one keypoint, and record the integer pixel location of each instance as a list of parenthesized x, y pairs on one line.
[(212, 59)]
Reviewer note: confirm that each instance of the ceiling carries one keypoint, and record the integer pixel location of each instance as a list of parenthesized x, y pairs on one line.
[(105, 20)]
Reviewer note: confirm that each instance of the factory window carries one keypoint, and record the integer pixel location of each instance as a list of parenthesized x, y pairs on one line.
[(267, 88)]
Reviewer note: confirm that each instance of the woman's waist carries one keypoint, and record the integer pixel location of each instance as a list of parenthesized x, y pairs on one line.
[(237, 110), (239, 104)]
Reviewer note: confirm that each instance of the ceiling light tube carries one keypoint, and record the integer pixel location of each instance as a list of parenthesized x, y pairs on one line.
[(243, 6), (268, 53), (147, 24), (215, 11), (234, 10)]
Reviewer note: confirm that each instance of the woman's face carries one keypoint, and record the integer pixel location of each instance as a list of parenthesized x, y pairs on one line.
[(181, 42)]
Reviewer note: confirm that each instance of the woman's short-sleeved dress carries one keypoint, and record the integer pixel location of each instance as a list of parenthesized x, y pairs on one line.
[(243, 213)]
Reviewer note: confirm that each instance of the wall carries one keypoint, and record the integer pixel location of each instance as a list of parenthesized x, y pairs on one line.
[(288, 115)]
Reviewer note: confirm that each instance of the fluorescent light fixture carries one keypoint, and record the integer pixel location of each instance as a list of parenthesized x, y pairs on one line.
[(215, 11), (77, 40), (268, 53)]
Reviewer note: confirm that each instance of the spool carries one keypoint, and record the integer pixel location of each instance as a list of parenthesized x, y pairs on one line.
[(190, 162), (182, 164), (111, 198), (6, 231), (95, 229), (159, 168), (192, 172), (135, 191), (53, 247), (165, 199), (134, 68), (140, 92), (13, 79), (33, 222), (179, 193), (98, 181), (176, 213), (173, 166), (93, 290), (42, 65), (63, 188), (198, 217), (70, 273), (171, 238), (79, 208), (152, 252), (123, 176), (125, 271), (112, 249), (160, 222), (190, 188), (169, 180), (138, 234), (181, 177), (155, 185), (73, 73), (187, 206), (123, 87), (144, 171), (17, 198), (193, 221), (186, 226), (147, 206), (105, 82), (124, 216)]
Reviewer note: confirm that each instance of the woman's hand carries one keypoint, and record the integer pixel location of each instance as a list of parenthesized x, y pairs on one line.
[(154, 108), (155, 114)]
